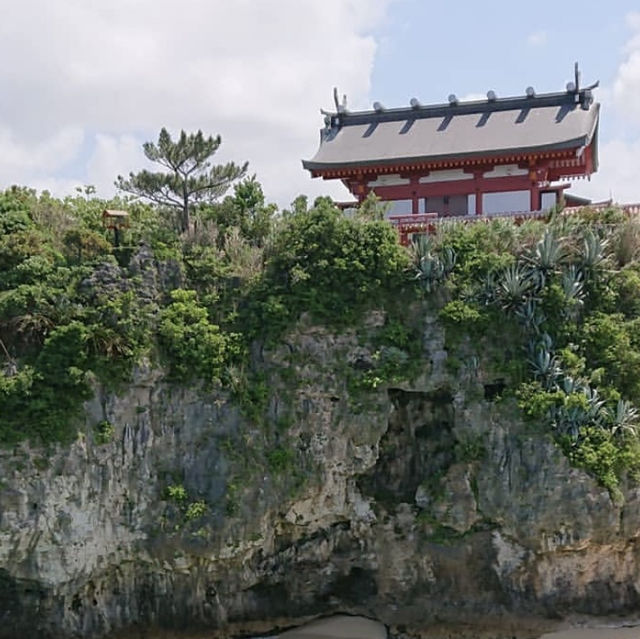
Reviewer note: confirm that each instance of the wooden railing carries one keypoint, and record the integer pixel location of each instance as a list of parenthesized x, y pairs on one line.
[(627, 209), (428, 222)]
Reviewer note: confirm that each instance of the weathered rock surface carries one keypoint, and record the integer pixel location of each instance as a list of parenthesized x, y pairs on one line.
[(426, 506)]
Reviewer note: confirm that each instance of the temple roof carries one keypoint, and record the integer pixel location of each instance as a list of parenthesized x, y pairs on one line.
[(484, 128)]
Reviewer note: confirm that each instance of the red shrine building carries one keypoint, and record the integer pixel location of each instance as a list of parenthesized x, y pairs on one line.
[(497, 156)]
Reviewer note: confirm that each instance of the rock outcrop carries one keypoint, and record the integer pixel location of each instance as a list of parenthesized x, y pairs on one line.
[(427, 505)]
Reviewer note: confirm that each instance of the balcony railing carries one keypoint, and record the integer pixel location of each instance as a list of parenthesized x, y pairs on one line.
[(428, 222)]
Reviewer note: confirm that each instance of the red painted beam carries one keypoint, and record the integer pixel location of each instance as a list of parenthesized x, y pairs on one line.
[(453, 187)]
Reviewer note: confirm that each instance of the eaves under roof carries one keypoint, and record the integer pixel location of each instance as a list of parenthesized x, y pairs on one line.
[(549, 122)]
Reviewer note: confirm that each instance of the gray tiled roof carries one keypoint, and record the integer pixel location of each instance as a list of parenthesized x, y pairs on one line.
[(511, 125)]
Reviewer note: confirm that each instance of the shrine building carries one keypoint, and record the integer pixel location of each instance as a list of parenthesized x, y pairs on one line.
[(487, 157)]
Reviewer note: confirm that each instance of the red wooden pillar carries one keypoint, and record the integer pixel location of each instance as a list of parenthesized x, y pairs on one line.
[(360, 188), (534, 199), (534, 203), (415, 202), (477, 183)]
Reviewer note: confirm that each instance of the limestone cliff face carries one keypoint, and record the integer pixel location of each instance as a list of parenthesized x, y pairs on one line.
[(429, 506)]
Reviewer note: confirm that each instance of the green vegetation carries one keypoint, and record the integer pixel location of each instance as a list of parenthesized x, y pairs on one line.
[(195, 347), (104, 432), (569, 289), (550, 309), (185, 509)]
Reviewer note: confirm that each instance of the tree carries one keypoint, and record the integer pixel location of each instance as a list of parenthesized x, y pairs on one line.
[(247, 210), (191, 179)]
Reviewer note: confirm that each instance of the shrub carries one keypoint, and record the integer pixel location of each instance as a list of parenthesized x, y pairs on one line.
[(461, 314), (626, 283), (280, 459), (332, 266), (177, 493), (104, 432), (195, 348), (41, 401), (195, 510), (84, 245)]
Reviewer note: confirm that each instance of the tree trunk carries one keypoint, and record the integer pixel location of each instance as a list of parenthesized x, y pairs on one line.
[(185, 209)]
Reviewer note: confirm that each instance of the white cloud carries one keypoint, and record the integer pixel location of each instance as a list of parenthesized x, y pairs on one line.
[(537, 39), (619, 168), (19, 157), (255, 72), (626, 87), (617, 176), (473, 97), (110, 153)]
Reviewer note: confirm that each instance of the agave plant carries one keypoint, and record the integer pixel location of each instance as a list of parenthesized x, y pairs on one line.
[(421, 247), (514, 287), (488, 290), (573, 384), (432, 269), (568, 421), (573, 284), (531, 316), (448, 259), (430, 272), (573, 288), (596, 412), (593, 251), (624, 419), (572, 417), (546, 368), (548, 254), (542, 342)]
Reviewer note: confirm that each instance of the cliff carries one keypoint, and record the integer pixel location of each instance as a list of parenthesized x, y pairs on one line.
[(227, 435), (426, 505)]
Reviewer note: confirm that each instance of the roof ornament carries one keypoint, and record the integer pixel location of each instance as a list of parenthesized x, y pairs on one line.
[(341, 107), (415, 103), (583, 95), (453, 99), (491, 95), (531, 92), (378, 107)]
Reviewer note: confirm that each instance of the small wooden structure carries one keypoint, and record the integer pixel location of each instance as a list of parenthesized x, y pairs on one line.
[(116, 220)]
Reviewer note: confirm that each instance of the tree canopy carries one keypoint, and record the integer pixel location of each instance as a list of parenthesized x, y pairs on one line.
[(190, 178)]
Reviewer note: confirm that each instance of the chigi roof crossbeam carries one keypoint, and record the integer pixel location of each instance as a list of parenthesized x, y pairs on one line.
[(583, 98)]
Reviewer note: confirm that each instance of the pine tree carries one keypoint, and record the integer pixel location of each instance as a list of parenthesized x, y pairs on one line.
[(191, 179)]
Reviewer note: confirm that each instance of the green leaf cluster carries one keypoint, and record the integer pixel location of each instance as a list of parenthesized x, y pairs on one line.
[(196, 348)]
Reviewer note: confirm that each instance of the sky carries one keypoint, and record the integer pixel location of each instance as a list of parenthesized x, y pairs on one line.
[(83, 83)]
